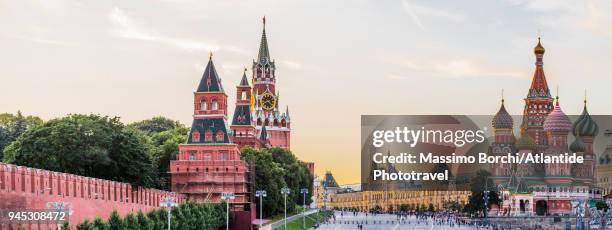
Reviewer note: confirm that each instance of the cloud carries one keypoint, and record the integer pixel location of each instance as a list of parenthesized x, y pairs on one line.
[(591, 16), (545, 5), (408, 8), (291, 64), (36, 34), (473, 68), (125, 27), (597, 19), (416, 11), (452, 68)]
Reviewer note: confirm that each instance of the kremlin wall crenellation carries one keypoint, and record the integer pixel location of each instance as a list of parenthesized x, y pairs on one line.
[(24, 188)]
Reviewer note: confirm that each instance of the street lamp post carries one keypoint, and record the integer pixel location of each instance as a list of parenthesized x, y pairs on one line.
[(304, 191), (285, 191), (169, 203), (261, 194), (227, 196)]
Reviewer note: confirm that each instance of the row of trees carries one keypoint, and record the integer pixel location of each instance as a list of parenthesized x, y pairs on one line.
[(94, 146), (187, 216), (276, 168)]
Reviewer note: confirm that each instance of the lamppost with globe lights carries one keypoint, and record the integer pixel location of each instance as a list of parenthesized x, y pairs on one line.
[(304, 191), (169, 203), (227, 196), (285, 191), (261, 194)]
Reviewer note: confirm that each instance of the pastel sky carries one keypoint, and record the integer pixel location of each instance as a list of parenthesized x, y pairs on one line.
[(336, 60)]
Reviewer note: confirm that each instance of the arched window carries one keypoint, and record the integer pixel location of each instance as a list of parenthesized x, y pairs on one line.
[(208, 136), (243, 95), (215, 105), (220, 137), (195, 136), (203, 105)]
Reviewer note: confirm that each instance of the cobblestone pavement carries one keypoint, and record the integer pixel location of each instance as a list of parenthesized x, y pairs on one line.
[(383, 221)]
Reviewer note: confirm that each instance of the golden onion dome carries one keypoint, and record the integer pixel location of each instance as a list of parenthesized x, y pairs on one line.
[(539, 49)]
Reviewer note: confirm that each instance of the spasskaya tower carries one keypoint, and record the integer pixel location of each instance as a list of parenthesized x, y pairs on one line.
[(264, 121)]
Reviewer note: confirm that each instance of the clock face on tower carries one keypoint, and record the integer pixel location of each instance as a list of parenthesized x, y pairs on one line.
[(268, 101)]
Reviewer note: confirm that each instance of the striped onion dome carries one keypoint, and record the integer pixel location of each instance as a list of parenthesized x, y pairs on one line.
[(584, 125), (502, 119), (557, 120), (578, 145)]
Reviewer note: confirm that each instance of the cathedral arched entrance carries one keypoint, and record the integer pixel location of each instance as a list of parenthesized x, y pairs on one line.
[(522, 206), (541, 207)]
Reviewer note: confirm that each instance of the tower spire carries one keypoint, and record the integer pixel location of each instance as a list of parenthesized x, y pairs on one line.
[(557, 97), (244, 81), (210, 81), (264, 53), (539, 86)]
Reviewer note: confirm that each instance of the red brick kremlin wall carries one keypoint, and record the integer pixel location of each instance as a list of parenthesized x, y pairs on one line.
[(29, 188)]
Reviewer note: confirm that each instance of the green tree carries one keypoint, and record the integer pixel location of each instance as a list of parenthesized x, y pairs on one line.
[(12, 126), (164, 148), (156, 125), (269, 176), (99, 224), (143, 221), (153, 218), (115, 222), (478, 185), (162, 137), (85, 225), (186, 216), (87, 145), (276, 168), (162, 223), (4, 140), (66, 225), (131, 222), (600, 205), (177, 218)]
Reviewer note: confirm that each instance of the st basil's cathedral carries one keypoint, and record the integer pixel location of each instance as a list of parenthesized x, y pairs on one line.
[(543, 189)]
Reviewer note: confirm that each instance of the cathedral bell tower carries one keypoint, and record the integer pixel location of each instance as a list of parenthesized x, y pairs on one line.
[(538, 103)]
